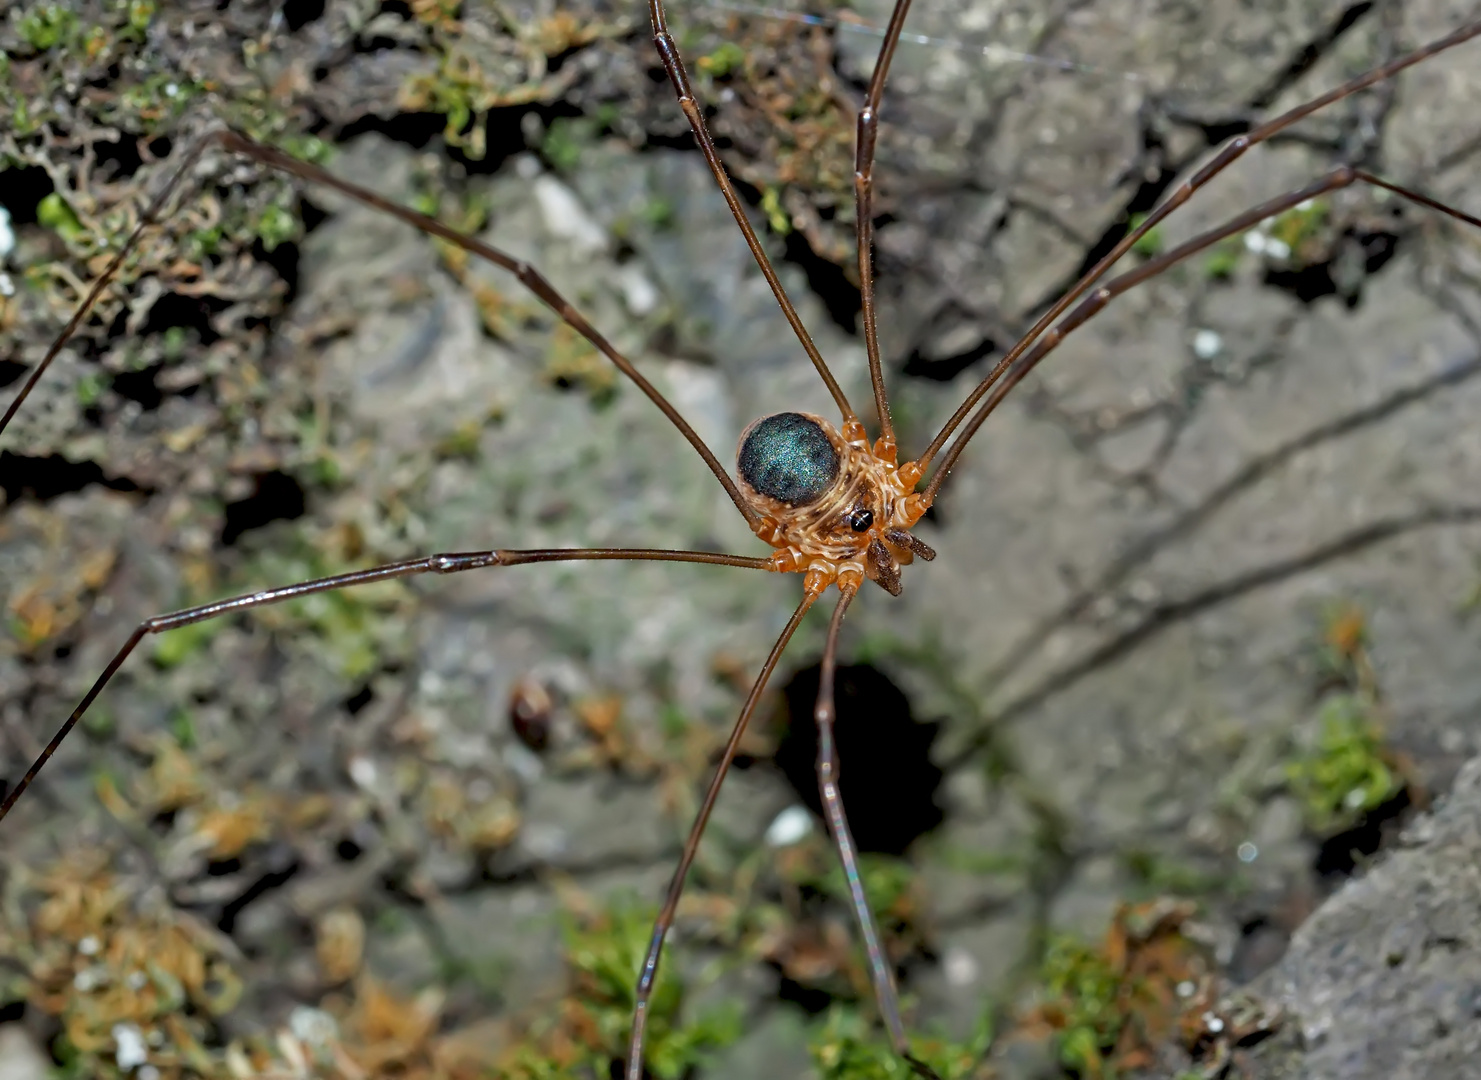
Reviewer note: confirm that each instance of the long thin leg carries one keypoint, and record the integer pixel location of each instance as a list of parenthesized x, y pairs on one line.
[(1232, 151), (673, 63), (150, 216), (880, 971), (530, 277), (449, 563), (1005, 378), (866, 136), (649, 971)]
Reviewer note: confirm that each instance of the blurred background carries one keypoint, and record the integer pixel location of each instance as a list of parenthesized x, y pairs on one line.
[(1200, 639)]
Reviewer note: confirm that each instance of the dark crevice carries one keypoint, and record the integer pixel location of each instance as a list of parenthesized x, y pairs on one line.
[(282, 865), (276, 497), (825, 278), (174, 310), (299, 13), (1145, 199), (887, 778), (359, 699), (24, 189), (1307, 284), (1358, 255), (45, 478), (1307, 56), (284, 259), (503, 132), (117, 159), (140, 386), (946, 368), (11, 372), (1341, 855)]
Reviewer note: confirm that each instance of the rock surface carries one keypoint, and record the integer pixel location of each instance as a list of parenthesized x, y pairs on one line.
[(1384, 979), (1137, 554)]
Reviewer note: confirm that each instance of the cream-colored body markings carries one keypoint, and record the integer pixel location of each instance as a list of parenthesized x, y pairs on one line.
[(818, 539)]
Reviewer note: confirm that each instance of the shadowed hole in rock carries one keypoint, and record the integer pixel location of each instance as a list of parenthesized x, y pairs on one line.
[(276, 497), (281, 864), (11, 372), (1340, 856), (299, 13), (24, 189), (886, 776), (359, 699), (140, 386), (172, 310), (45, 478), (1359, 254), (117, 160)]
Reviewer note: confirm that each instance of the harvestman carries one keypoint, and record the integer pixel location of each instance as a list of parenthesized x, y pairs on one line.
[(835, 507)]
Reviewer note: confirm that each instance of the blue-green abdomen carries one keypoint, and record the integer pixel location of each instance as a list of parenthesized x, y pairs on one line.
[(789, 457)]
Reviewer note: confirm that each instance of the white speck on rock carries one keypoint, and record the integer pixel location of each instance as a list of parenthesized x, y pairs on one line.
[(7, 234), (363, 771), (640, 294), (566, 218), (312, 1026), (131, 1051), (20, 1059), (788, 827), (544, 841), (1207, 344), (960, 967)]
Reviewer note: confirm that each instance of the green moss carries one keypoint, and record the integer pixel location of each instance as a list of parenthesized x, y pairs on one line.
[(603, 954), (173, 647), (847, 1046), (54, 213), (776, 216), (140, 14), (1220, 263), (91, 386), (1345, 773), (886, 880), (565, 140), (727, 58), (1083, 985), (1149, 245), (1300, 225), (659, 212), (275, 226), (45, 26)]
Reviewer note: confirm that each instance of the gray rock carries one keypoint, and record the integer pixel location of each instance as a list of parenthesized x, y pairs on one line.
[(1384, 980)]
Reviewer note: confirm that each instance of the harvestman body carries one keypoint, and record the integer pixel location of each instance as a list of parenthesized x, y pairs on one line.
[(835, 507)]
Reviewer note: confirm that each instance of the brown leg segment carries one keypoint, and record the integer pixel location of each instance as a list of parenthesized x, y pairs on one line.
[(451, 563), (649, 971), (673, 63), (1005, 377), (880, 971), (866, 137), (531, 278), (1232, 151)]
